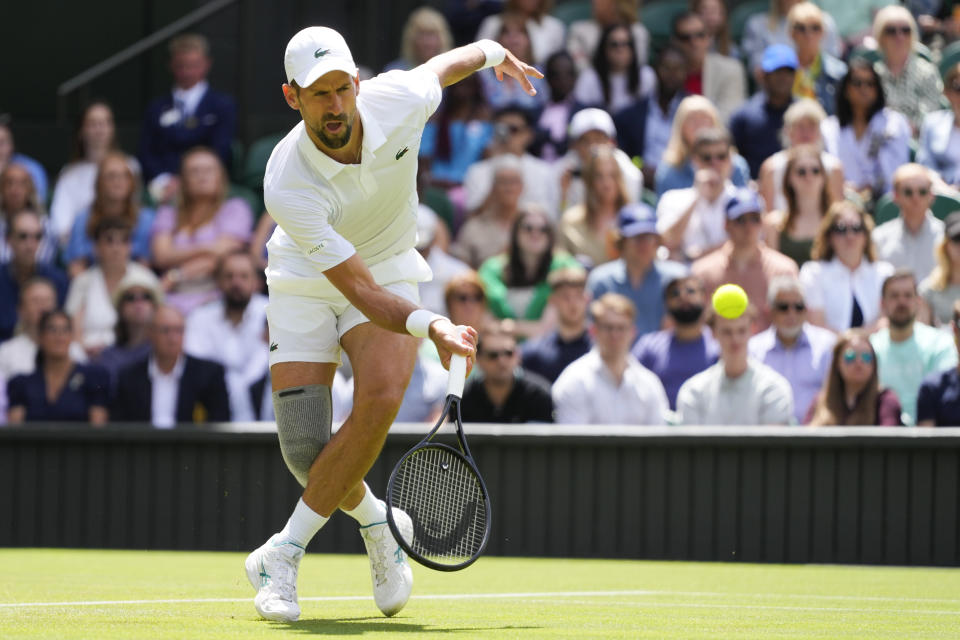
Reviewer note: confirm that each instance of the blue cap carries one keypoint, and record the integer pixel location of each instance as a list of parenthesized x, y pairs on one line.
[(779, 56), (744, 201), (636, 218)]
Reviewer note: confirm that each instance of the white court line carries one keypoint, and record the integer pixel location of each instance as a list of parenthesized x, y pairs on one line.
[(733, 605)]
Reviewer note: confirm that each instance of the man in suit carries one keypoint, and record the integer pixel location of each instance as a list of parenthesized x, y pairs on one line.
[(191, 115), (720, 79), (169, 387)]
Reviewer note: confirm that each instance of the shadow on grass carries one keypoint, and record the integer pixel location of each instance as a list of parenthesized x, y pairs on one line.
[(360, 626)]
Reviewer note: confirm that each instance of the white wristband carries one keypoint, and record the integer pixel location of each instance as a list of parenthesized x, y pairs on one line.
[(419, 321), (493, 51)]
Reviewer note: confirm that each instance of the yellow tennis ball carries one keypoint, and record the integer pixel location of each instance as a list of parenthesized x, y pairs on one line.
[(730, 301)]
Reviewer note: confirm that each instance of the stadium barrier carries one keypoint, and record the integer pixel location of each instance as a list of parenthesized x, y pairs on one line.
[(759, 494)]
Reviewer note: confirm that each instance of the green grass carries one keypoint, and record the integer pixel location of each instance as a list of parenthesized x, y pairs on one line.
[(495, 598)]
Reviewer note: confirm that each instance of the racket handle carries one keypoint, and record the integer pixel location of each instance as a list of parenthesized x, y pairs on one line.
[(458, 375)]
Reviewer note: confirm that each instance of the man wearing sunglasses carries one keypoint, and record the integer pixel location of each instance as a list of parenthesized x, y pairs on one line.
[(909, 239), (938, 402), (720, 79)]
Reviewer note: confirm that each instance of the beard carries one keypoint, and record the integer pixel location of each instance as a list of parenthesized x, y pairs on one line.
[(687, 315), (790, 332), (338, 141), (235, 300), (902, 320)]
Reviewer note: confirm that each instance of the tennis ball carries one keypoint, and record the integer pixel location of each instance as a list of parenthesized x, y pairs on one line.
[(730, 301)]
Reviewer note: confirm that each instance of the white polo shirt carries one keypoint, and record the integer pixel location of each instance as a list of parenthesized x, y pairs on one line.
[(327, 211)]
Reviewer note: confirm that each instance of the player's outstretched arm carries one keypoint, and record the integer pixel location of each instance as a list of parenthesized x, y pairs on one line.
[(455, 65)]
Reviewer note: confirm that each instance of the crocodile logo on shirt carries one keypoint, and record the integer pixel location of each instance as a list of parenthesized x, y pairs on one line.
[(402, 152), (319, 53), (274, 346)]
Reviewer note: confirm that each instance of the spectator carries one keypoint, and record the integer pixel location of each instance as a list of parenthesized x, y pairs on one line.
[(547, 32), (911, 84), (443, 265), (686, 348), (791, 230), (560, 75), (465, 17), (116, 195), (458, 132), (425, 34), (487, 232), (743, 259), (466, 301), (843, 280), (764, 29), (584, 35), (851, 393), (549, 354), (503, 391), (716, 77), (939, 128), (136, 300), (738, 390), (587, 230), (608, 385), (818, 72), (516, 281), (714, 16), (168, 386), (513, 35), (938, 400), (941, 289), (258, 243), (192, 114), (9, 155), (870, 139), (90, 298), (60, 389), (908, 351), (18, 193), (756, 125), (676, 169), (615, 79), (229, 330), (692, 220), (854, 18), (24, 235), (637, 275), (909, 239), (205, 225), (794, 348)]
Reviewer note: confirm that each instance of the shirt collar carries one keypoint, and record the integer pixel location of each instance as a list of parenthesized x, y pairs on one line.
[(802, 339), (155, 372), (373, 138)]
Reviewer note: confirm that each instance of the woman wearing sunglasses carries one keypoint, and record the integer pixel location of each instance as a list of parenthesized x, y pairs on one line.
[(851, 394), (791, 230), (939, 129)]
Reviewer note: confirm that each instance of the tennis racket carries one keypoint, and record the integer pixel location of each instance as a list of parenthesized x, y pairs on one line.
[(440, 489)]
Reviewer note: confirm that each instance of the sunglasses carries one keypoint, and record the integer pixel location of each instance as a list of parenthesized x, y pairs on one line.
[(804, 28), (893, 30), (708, 158), (842, 228), (783, 307), (692, 35), (803, 171), (687, 291), (495, 354), (747, 218), (954, 86), (467, 297), (908, 192), (612, 328), (136, 297), (955, 239), (534, 228), (618, 44), (58, 329), (849, 356), (860, 84), (23, 235)]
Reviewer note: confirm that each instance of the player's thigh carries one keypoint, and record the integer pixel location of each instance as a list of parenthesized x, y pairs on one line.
[(382, 364), (285, 375), (304, 340)]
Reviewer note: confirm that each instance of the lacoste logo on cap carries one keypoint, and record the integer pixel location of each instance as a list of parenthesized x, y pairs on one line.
[(403, 151), (319, 53)]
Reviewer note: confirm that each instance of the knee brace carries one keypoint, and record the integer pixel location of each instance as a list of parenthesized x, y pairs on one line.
[(304, 417)]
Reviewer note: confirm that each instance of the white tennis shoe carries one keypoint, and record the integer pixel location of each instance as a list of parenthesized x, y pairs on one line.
[(392, 577), (272, 570)]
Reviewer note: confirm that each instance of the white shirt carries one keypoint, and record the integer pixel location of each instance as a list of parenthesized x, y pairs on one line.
[(760, 396), (89, 301), (587, 393), (327, 211), (18, 356), (189, 99), (165, 388), (538, 184), (830, 287), (589, 88), (902, 248), (707, 225), (871, 160), (74, 193)]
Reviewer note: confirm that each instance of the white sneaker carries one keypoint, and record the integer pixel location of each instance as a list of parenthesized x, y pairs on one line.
[(392, 577), (272, 570)]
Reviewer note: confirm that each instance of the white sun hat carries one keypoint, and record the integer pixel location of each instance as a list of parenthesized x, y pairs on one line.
[(316, 51)]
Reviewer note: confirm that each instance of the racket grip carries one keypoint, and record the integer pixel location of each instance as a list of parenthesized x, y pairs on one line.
[(458, 375)]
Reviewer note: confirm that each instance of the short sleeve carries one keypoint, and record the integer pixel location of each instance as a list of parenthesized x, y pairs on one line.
[(670, 207), (810, 281), (165, 221), (306, 221), (235, 219), (417, 91)]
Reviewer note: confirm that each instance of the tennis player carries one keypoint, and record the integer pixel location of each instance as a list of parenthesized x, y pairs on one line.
[(343, 274)]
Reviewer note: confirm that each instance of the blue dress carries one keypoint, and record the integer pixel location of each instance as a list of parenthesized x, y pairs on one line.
[(86, 387), (80, 245)]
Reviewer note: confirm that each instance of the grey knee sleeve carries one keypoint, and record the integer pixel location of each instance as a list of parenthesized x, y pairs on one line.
[(304, 416)]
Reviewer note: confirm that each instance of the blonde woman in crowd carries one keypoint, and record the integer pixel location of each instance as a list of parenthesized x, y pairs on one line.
[(941, 289), (425, 34), (791, 230), (765, 29)]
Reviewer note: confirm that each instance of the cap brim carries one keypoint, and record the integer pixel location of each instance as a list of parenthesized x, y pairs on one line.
[(322, 68), (630, 231)]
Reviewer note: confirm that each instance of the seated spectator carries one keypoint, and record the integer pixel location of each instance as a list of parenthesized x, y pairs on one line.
[(487, 232), (18, 355), (188, 240), (764, 29), (791, 230), (756, 125), (692, 220), (168, 386), (615, 79), (516, 281), (513, 35), (818, 72), (842, 281), (870, 139), (909, 239), (191, 115), (714, 16), (738, 390), (466, 304), (549, 354), (560, 74), (794, 348), (443, 265), (9, 155), (261, 235), (587, 230), (136, 300), (503, 391), (941, 289), (608, 385), (583, 36), (547, 33), (939, 146), (60, 389), (18, 193), (455, 137), (90, 298), (854, 18), (908, 351), (719, 79), (676, 169), (638, 274), (801, 126), (938, 400), (425, 35), (229, 330), (911, 84), (686, 348), (117, 195), (744, 260), (851, 393), (24, 235)]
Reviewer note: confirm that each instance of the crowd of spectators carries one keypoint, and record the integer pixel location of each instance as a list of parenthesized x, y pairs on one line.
[(813, 158)]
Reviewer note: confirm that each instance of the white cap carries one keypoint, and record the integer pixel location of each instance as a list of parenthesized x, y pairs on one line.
[(316, 51), (591, 120)]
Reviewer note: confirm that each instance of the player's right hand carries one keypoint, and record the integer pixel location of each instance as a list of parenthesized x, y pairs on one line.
[(518, 70), (450, 338)]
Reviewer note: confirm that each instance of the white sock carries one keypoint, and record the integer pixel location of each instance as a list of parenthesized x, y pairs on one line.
[(369, 511), (303, 524)]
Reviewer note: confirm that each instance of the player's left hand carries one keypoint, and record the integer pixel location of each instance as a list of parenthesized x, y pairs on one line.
[(513, 67), (451, 339)]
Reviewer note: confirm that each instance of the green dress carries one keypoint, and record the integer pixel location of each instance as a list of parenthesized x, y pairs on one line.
[(798, 250), (491, 273)]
